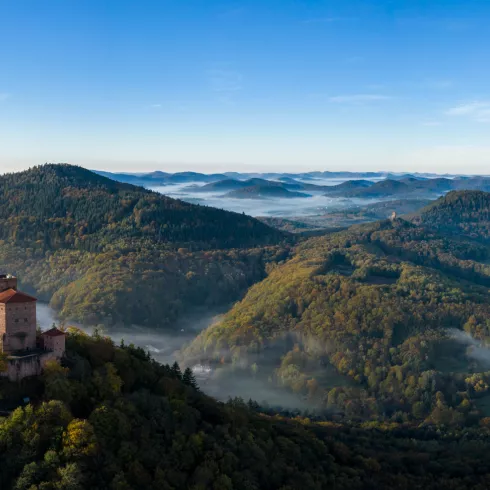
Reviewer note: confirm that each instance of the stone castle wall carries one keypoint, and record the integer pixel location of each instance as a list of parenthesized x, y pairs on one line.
[(21, 321), (56, 344), (31, 365)]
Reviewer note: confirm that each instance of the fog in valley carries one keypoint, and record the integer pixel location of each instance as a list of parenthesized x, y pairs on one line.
[(227, 381), (222, 382), (317, 204)]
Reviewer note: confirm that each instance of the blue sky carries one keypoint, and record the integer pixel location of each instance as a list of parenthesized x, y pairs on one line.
[(252, 85)]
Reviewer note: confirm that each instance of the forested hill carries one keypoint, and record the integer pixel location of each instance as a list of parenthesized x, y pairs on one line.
[(111, 418), (59, 206), (460, 213), (375, 322), (105, 252)]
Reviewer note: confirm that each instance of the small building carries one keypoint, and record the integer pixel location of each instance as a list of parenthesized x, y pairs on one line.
[(27, 353), (54, 340)]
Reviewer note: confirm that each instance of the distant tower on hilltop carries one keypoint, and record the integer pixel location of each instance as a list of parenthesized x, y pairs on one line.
[(393, 216)]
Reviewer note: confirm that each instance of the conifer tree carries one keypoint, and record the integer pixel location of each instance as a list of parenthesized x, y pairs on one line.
[(189, 378), (175, 370)]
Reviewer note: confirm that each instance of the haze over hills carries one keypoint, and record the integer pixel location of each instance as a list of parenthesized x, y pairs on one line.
[(112, 418), (103, 251), (380, 329), (366, 185), (361, 322), (182, 177), (264, 192)]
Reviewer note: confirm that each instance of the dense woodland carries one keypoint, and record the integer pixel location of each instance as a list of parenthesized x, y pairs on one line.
[(383, 329), (459, 212), (111, 418), (107, 252), (387, 321), (63, 206)]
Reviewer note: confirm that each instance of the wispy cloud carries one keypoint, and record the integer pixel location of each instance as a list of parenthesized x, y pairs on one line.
[(4, 96), (431, 123), (358, 98), (224, 81), (476, 110), (156, 106)]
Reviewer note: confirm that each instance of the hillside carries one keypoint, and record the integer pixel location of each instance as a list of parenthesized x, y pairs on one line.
[(366, 213), (348, 186), (159, 178), (75, 207), (408, 186), (379, 189), (460, 213), (104, 251), (111, 418), (264, 192), (359, 322), (221, 186)]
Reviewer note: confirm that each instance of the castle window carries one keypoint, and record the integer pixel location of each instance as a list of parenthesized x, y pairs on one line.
[(25, 320), (16, 320)]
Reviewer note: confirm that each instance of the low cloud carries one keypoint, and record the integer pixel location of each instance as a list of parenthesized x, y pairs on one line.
[(475, 350), (4, 96), (477, 110)]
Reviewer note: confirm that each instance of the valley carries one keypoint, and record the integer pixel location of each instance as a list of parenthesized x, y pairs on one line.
[(341, 325)]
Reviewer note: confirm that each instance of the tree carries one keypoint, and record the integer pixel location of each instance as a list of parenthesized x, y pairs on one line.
[(107, 381), (175, 370), (57, 385), (189, 379), (70, 478), (79, 440)]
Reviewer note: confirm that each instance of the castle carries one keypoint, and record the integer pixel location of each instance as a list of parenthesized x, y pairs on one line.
[(27, 351)]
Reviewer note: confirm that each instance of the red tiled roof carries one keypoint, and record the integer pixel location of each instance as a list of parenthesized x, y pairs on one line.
[(13, 296), (53, 332)]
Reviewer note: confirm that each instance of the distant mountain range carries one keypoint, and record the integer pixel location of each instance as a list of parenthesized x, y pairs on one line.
[(264, 192), (164, 178), (356, 184), (407, 186)]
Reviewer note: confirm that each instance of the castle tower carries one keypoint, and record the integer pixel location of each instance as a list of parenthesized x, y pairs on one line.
[(17, 317), (54, 340), (7, 281)]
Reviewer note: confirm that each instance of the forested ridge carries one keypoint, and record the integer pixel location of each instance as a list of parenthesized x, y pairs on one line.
[(459, 212), (106, 252), (60, 206), (111, 418), (386, 321)]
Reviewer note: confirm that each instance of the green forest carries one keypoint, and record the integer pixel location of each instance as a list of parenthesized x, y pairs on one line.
[(106, 252), (111, 418), (384, 322), (459, 212)]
